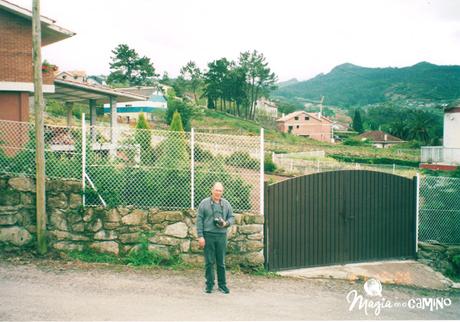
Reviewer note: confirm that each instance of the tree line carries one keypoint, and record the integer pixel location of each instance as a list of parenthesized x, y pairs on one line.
[(226, 85), (424, 126)]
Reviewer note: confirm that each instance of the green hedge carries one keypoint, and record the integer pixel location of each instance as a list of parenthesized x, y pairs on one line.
[(345, 158)]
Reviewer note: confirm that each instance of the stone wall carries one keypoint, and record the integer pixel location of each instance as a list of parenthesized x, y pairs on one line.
[(439, 256), (116, 231)]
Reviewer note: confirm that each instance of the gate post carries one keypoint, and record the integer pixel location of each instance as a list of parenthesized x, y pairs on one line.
[(261, 179), (192, 169), (417, 209), (83, 157)]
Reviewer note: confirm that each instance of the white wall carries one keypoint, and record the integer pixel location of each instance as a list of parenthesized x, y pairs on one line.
[(452, 130)]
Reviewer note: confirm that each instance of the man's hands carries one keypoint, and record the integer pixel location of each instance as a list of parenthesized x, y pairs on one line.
[(201, 242)]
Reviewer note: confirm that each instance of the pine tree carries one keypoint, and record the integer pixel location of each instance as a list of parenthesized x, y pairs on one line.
[(176, 123), (357, 122), (144, 138)]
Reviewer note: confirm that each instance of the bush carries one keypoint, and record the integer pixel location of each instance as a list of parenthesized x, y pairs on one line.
[(356, 159), (243, 160), (184, 110), (269, 166), (353, 141)]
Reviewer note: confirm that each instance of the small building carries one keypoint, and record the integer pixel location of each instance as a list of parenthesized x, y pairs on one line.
[(380, 139), (312, 125), (447, 156), (266, 107), (73, 75), (129, 111)]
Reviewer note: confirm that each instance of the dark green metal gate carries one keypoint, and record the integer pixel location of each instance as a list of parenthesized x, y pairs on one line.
[(339, 217)]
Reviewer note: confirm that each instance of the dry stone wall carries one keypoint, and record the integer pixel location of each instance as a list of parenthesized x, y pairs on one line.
[(115, 231)]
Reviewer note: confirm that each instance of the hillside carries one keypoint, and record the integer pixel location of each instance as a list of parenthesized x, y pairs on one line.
[(350, 85)]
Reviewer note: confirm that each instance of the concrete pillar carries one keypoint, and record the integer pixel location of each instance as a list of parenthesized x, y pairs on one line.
[(92, 119), (69, 106), (113, 126)]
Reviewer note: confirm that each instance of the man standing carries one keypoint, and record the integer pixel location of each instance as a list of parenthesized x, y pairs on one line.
[(215, 215)]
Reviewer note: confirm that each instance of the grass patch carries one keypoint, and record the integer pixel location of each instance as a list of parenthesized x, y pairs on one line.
[(140, 256)]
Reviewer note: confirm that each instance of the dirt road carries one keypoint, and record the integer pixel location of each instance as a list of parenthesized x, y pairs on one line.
[(59, 290)]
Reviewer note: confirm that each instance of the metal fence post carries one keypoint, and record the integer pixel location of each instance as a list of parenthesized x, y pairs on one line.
[(83, 156), (261, 179), (192, 168), (417, 210)]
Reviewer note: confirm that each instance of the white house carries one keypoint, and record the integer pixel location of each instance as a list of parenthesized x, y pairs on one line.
[(446, 157), (130, 111), (266, 107)]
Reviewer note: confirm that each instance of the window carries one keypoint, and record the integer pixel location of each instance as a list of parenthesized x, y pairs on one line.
[(307, 118), (296, 118), (297, 126)]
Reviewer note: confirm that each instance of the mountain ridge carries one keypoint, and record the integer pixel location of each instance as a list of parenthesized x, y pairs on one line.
[(349, 85)]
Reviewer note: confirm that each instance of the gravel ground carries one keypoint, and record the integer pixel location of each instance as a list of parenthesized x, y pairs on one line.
[(47, 289)]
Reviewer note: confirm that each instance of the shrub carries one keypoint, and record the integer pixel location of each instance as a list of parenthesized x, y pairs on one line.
[(269, 166), (243, 160), (184, 110), (353, 141)]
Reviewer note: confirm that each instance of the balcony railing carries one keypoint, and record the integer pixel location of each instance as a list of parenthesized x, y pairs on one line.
[(440, 155)]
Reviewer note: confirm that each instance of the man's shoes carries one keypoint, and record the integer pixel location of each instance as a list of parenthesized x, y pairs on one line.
[(224, 289), (208, 289)]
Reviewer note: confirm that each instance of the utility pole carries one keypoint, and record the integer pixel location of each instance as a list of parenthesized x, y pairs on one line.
[(39, 128)]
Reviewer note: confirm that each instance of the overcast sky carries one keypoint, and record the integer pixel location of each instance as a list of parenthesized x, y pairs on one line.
[(299, 38)]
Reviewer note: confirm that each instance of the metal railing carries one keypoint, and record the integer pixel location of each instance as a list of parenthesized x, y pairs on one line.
[(291, 164)]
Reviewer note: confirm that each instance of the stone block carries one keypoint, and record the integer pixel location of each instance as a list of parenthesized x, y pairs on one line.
[(67, 246), (57, 201), (107, 247), (17, 236), (105, 235), (89, 215), (58, 220), (161, 250), (9, 198), (78, 227), (165, 240), (65, 235), (8, 219), (174, 216), (22, 184), (129, 238), (178, 229), (192, 259), (185, 246), (75, 200), (95, 226), (137, 217), (255, 259), (112, 215), (251, 229)]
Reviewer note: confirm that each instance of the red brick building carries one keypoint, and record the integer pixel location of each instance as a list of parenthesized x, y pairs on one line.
[(16, 71), (311, 125)]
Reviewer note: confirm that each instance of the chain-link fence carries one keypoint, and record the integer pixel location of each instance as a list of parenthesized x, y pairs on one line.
[(62, 150), (141, 167), (439, 209), (292, 164)]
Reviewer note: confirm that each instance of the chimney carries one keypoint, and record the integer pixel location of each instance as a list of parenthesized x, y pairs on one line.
[(385, 137)]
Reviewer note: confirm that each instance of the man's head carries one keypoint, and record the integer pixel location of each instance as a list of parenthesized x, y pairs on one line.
[(217, 191)]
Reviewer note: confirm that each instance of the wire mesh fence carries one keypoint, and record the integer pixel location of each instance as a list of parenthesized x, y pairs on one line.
[(293, 163), (62, 150), (439, 210), (141, 167)]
